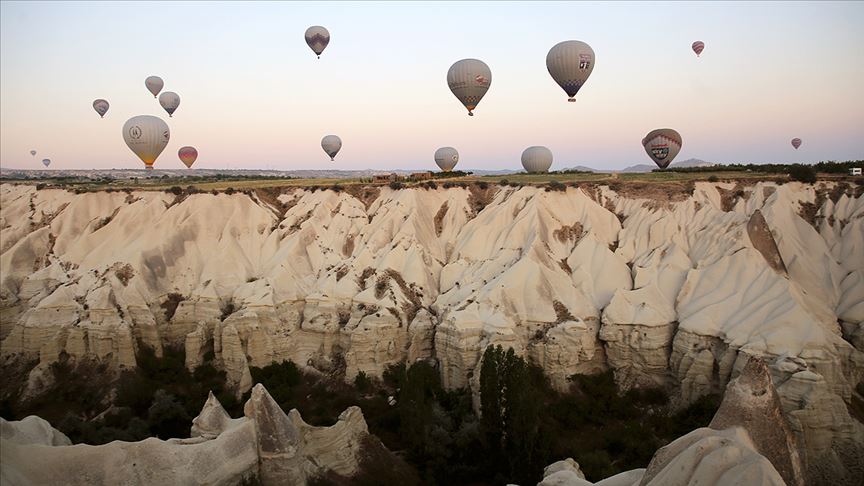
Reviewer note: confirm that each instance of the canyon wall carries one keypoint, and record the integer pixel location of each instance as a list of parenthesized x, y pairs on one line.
[(667, 285)]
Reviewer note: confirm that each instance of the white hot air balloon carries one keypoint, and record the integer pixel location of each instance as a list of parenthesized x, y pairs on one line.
[(469, 80), (537, 159), (46, 162), (317, 38), (33, 153), (446, 158), (570, 63), (101, 107), (331, 144), (147, 136), (169, 101), (154, 84)]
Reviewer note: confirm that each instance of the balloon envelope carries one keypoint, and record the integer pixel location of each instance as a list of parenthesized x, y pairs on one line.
[(187, 156), (169, 101), (469, 80), (698, 46), (154, 84), (446, 158), (33, 153), (662, 145), (101, 107), (331, 144), (570, 63), (537, 159), (317, 38), (147, 136), (46, 162), (796, 142)]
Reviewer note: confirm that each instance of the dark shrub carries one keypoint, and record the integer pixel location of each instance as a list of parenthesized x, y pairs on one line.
[(712, 178), (555, 186), (802, 173), (176, 190), (362, 382), (395, 185)]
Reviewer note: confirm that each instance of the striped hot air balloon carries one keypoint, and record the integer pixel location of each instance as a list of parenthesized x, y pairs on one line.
[(147, 137), (796, 142), (698, 47), (662, 145), (570, 63), (537, 159)]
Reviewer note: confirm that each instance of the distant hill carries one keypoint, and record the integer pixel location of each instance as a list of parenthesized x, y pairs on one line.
[(582, 168), (683, 163)]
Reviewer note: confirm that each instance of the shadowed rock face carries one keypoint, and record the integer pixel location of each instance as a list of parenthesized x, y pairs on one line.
[(266, 444), (751, 402), (762, 239)]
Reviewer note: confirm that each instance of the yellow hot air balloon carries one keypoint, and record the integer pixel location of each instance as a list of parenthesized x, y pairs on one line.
[(187, 155)]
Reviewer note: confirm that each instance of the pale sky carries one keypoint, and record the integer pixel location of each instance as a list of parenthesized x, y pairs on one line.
[(254, 95)]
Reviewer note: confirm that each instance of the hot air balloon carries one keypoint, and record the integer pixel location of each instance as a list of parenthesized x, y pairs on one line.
[(317, 38), (101, 107), (147, 136), (46, 162), (446, 158), (169, 101), (33, 153), (154, 84), (662, 145), (570, 63), (331, 144), (796, 142), (537, 159), (469, 80), (187, 156), (698, 47)]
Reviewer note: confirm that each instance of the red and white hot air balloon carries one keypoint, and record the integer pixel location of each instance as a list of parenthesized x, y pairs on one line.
[(698, 47), (796, 142), (187, 156)]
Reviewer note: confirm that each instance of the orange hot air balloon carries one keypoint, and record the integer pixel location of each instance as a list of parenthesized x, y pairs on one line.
[(698, 47), (187, 156)]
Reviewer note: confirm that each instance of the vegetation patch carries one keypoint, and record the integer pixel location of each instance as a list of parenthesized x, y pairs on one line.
[(439, 218), (170, 304), (124, 273)]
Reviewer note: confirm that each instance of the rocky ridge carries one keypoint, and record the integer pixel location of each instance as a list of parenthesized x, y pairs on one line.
[(676, 290), (265, 445)]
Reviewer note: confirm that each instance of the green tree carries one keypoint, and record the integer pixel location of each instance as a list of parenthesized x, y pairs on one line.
[(510, 406)]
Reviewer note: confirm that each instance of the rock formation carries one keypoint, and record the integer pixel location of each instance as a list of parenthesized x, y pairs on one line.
[(266, 444), (665, 285)]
